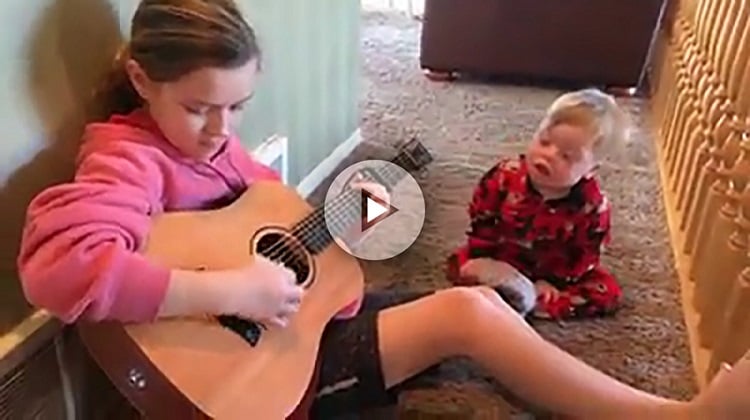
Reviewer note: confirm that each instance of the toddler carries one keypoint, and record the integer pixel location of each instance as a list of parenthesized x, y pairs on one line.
[(543, 217)]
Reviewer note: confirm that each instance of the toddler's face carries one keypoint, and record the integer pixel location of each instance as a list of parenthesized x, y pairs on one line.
[(201, 110), (559, 156)]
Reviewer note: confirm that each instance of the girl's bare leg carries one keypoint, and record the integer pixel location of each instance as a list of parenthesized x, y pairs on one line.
[(475, 322)]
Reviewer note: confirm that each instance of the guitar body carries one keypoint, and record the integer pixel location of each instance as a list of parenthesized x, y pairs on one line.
[(216, 370), (223, 367)]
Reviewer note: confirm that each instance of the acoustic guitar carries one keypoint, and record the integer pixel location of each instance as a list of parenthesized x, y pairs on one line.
[(225, 367)]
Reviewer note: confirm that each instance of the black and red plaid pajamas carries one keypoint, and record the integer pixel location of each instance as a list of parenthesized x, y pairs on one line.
[(558, 240)]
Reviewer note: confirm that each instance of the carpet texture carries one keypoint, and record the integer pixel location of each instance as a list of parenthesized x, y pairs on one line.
[(467, 125)]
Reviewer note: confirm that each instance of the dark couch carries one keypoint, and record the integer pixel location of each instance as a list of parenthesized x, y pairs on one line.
[(603, 42)]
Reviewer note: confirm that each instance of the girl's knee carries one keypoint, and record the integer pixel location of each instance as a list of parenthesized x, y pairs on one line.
[(493, 296), (456, 312), (466, 308), (486, 291), (472, 298), (466, 315)]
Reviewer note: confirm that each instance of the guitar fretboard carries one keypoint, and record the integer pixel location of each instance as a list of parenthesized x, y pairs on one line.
[(342, 212)]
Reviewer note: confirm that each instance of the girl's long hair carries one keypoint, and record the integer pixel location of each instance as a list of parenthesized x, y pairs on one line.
[(171, 38)]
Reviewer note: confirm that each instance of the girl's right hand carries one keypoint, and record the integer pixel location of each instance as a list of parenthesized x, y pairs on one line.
[(263, 291)]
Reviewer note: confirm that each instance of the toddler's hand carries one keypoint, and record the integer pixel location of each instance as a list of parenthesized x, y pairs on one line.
[(263, 291), (546, 292)]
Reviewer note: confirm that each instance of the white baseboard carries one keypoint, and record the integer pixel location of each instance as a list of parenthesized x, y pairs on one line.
[(329, 164)]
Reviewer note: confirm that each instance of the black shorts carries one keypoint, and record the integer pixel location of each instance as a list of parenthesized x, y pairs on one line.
[(351, 377)]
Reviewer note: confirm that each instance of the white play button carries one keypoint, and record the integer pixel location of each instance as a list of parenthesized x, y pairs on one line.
[(374, 210), (391, 226)]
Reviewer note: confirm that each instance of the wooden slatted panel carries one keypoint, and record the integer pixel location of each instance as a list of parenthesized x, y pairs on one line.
[(701, 112), (33, 390)]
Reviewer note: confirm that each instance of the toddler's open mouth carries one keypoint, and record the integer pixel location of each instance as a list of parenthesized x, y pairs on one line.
[(542, 169)]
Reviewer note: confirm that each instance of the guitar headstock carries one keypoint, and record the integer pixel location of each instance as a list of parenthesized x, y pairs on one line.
[(414, 155)]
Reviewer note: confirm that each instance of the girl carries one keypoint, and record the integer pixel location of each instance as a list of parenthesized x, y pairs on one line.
[(168, 144), (545, 215)]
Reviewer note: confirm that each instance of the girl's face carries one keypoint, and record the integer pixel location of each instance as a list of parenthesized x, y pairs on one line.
[(559, 156), (200, 111)]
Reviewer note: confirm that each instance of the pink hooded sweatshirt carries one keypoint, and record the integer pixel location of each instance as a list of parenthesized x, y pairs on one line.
[(78, 254)]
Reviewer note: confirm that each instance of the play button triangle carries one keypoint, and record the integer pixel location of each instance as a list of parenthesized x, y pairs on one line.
[(374, 210)]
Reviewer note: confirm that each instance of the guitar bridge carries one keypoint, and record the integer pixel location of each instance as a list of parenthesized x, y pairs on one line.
[(249, 331)]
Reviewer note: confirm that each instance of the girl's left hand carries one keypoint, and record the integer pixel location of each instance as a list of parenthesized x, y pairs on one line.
[(375, 189)]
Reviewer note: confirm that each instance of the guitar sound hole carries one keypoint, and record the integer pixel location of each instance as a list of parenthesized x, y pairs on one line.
[(284, 249)]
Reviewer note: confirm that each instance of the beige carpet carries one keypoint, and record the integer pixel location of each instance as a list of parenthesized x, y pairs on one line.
[(467, 125)]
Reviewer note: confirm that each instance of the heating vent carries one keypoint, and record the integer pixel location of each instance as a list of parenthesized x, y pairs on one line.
[(274, 153), (34, 389)]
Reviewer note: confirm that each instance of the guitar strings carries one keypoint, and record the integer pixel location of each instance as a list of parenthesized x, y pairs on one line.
[(284, 247), (339, 207), (336, 208), (280, 250)]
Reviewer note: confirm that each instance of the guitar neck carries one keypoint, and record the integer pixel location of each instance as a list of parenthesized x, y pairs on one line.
[(339, 214)]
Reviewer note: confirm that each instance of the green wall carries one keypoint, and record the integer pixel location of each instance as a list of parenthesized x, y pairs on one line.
[(311, 77), (51, 52)]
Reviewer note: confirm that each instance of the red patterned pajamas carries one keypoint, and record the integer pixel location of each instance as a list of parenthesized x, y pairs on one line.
[(555, 240)]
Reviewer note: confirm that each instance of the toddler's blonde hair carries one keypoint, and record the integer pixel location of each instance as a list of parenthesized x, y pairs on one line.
[(594, 111)]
